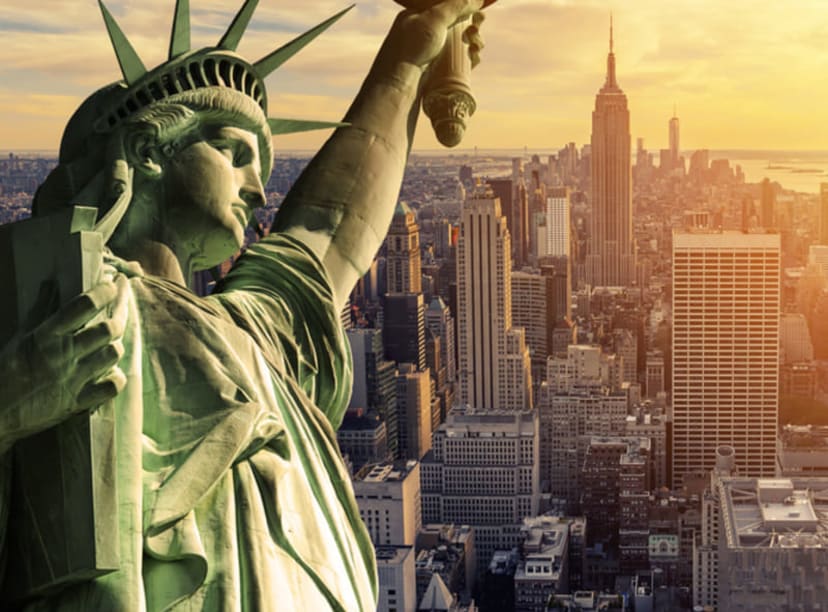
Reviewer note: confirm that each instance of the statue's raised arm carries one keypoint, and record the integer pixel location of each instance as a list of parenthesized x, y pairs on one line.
[(342, 204), (224, 477)]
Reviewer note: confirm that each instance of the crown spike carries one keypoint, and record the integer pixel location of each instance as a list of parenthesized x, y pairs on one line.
[(131, 65), (180, 37), (271, 62), (290, 126), (233, 35)]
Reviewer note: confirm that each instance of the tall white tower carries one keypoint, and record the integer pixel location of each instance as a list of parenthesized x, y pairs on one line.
[(675, 153), (557, 222), (494, 366), (726, 294)]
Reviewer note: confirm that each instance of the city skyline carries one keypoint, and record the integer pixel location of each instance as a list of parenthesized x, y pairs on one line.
[(748, 87), (583, 378)]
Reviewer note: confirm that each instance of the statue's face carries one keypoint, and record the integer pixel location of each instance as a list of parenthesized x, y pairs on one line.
[(210, 190)]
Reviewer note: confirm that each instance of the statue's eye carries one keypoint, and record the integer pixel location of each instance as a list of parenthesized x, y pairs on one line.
[(224, 147), (237, 152)]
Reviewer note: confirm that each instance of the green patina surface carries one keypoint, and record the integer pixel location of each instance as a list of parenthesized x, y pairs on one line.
[(164, 451)]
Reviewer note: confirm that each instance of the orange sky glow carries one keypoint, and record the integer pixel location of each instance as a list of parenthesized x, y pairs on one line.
[(742, 74)]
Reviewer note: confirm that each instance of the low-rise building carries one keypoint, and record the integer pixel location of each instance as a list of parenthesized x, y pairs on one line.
[(616, 483), (586, 601), (498, 590), (363, 437), (483, 471), (773, 544), (447, 550), (438, 598), (802, 450), (544, 566), (395, 570), (388, 497)]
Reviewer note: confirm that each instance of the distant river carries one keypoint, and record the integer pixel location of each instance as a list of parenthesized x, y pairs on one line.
[(801, 171)]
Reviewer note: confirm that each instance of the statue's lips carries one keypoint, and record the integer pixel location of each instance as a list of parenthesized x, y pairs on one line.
[(242, 213)]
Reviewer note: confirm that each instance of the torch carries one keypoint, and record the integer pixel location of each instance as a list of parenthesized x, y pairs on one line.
[(447, 96)]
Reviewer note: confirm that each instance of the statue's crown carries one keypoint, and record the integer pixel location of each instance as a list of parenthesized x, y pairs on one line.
[(187, 70)]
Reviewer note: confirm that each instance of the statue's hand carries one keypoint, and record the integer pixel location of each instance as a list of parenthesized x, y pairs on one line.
[(418, 36), (68, 364)]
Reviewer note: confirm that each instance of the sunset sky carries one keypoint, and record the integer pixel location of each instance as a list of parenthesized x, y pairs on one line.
[(742, 74)]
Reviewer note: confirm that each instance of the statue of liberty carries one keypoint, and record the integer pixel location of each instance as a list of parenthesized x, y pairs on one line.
[(231, 494)]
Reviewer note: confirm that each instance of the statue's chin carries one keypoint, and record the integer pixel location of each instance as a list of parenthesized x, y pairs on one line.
[(220, 249)]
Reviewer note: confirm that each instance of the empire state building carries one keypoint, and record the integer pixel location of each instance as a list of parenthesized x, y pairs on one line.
[(611, 252)]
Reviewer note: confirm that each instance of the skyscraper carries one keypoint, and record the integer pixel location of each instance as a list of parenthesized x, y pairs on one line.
[(519, 222), (823, 213), (494, 367), (439, 320), (404, 312), (611, 253), (768, 204), (414, 411), (699, 165), (402, 258), (374, 380), (533, 311), (557, 222), (403, 328), (725, 350), (674, 140)]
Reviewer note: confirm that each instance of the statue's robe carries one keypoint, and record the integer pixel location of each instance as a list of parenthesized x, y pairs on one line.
[(232, 493)]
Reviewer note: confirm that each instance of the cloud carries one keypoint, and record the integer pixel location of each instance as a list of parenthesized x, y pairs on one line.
[(736, 70)]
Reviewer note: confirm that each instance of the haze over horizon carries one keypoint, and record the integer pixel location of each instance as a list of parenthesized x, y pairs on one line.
[(742, 75)]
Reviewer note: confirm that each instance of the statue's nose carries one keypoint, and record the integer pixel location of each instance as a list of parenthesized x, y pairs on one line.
[(251, 191)]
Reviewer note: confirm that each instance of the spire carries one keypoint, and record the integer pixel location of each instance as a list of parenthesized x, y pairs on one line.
[(610, 32), (611, 83), (231, 38), (131, 65), (271, 62), (180, 37)]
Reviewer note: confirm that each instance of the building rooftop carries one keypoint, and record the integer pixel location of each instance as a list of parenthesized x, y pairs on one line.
[(437, 597), (437, 304), (392, 555), (730, 240), (545, 547), (635, 445), (801, 437), (464, 421), (386, 472), (775, 512), (441, 546), (504, 562), (402, 208), (432, 534), (357, 420)]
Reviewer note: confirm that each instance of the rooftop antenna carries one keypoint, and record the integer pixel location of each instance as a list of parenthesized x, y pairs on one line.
[(610, 31)]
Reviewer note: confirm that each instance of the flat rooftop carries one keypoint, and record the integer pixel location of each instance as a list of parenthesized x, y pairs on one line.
[(392, 555), (730, 240), (386, 472), (775, 512)]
